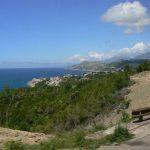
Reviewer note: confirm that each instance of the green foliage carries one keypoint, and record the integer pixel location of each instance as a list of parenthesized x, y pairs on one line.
[(129, 69), (99, 128), (73, 103), (120, 134), (73, 140), (144, 66), (79, 139), (125, 117), (14, 146)]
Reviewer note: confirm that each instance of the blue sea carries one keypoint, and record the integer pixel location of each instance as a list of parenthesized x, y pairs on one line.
[(15, 78)]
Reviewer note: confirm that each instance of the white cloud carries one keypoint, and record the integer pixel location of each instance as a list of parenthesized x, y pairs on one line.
[(130, 52), (96, 55), (137, 49), (133, 16), (77, 58)]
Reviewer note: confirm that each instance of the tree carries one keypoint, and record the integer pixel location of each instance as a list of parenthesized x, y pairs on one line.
[(128, 69)]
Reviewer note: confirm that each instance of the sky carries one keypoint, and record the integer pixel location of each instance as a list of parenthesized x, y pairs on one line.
[(35, 33)]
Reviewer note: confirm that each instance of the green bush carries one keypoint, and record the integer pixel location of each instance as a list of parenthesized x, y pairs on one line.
[(144, 66), (120, 134), (75, 102), (126, 118), (14, 146), (79, 139)]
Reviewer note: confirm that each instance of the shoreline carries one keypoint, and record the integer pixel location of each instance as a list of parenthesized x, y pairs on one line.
[(21, 76)]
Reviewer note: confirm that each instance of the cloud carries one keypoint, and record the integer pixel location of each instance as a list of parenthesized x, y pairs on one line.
[(91, 56), (95, 55), (137, 49), (78, 57), (133, 16), (127, 52)]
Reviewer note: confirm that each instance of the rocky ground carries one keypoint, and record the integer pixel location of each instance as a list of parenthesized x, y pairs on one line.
[(21, 136)]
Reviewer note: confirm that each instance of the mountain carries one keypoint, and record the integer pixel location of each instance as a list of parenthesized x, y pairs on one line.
[(101, 66), (122, 63), (143, 56), (89, 65)]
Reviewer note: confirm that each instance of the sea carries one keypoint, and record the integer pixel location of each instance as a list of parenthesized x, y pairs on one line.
[(16, 78)]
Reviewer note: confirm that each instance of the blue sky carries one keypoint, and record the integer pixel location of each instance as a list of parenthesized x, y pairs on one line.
[(67, 31)]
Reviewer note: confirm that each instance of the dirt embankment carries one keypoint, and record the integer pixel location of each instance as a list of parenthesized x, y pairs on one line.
[(140, 91), (21, 136), (140, 98)]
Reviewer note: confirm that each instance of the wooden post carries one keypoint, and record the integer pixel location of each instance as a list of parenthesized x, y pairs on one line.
[(141, 117)]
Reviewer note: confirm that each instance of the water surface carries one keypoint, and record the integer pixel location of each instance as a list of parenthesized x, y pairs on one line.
[(15, 78)]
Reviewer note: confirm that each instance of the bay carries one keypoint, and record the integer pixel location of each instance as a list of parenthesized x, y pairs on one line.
[(15, 78)]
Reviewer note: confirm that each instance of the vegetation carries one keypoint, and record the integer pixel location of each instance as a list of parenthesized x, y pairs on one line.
[(74, 140), (75, 102), (144, 66), (126, 118), (101, 66), (15, 146), (120, 135)]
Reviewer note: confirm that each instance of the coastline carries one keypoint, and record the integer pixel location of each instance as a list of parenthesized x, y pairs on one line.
[(18, 78)]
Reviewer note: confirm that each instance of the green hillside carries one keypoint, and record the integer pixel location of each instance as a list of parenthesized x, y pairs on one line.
[(100, 66), (86, 65), (123, 63), (75, 102), (63, 110)]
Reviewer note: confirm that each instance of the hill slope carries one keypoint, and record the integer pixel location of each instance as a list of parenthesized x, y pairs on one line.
[(101, 66), (22, 136), (140, 96), (144, 56), (86, 65)]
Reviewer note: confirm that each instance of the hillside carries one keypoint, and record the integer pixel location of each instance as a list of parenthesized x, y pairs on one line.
[(140, 97), (141, 130), (22, 136), (122, 63), (144, 56), (75, 102), (101, 66), (78, 112), (86, 65)]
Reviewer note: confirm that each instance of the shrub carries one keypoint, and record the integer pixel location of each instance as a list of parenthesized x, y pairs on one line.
[(144, 66), (125, 117), (120, 134), (79, 139), (14, 146), (71, 104)]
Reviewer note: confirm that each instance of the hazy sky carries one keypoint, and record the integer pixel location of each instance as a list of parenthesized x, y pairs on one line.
[(62, 31)]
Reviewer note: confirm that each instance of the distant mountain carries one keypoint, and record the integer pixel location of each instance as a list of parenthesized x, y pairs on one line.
[(101, 66), (144, 56), (122, 63), (89, 65)]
